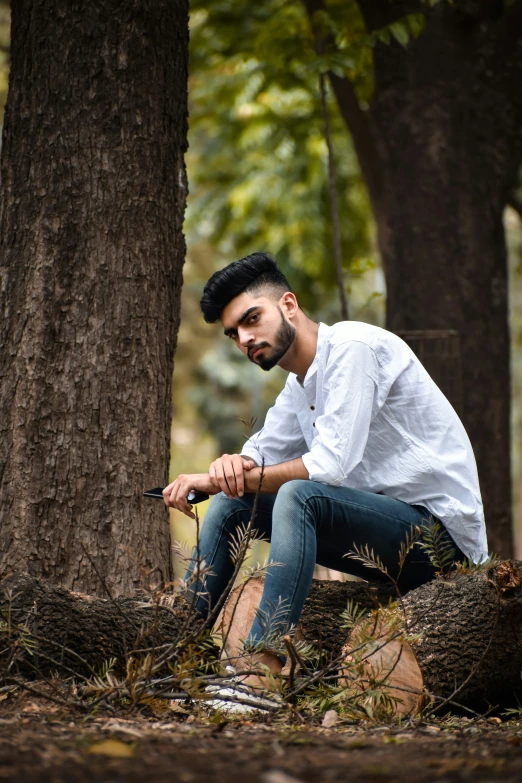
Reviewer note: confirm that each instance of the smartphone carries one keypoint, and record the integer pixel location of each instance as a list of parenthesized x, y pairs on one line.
[(192, 497)]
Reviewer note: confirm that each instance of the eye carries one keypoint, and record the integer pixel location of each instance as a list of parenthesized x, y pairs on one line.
[(253, 318)]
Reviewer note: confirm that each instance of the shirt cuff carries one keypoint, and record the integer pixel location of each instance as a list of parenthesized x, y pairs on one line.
[(253, 453), (322, 466)]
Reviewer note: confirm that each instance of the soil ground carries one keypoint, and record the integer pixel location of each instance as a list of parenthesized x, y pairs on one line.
[(52, 744)]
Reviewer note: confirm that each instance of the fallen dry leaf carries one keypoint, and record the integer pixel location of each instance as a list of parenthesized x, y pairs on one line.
[(278, 776), (330, 719), (114, 726), (113, 748)]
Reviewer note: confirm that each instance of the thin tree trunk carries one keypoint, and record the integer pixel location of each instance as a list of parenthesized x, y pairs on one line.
[(334, 207), (91, 243)]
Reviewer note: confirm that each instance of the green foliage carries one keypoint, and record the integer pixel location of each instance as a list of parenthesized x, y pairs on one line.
[(352, 614), (240, 392), (467, 566), (436, 544), (368, 558), (407, 545), (257, 162)]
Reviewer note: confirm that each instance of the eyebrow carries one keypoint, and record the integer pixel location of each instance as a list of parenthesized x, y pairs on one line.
[(245, 315)]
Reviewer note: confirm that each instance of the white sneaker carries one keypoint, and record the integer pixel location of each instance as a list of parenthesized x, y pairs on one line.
[(235, 698)]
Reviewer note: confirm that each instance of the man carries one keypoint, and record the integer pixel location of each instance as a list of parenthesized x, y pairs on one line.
[(360, 447)]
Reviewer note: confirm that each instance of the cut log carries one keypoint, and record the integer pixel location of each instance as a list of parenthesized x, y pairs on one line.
[(467, 635), (467, 632), (392, 661), (388, 659), (79, 631)]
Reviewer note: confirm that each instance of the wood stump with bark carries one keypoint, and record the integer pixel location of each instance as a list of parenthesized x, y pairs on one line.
[(467, 630)]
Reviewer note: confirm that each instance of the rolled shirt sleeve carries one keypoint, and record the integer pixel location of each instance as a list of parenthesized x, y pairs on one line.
[(341, 432), (281, 438)]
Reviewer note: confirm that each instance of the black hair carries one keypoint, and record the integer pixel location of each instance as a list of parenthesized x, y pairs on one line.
[(256, 271)]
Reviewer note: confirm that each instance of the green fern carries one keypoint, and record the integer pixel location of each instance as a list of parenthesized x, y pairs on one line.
[(352, 614), (241, 540), (435, 543), (412, 537), (368, 557), (106, 667), (467, 566)]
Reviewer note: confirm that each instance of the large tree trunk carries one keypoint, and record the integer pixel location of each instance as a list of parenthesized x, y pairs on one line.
[(93, 198), (439, 148), (442, 108), (467, 630)]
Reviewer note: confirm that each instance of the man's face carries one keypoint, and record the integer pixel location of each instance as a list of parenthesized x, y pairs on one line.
[(258, 326)]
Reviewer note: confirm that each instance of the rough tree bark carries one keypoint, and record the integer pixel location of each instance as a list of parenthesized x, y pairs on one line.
[(469, 626), (439, 149), (91, 243)]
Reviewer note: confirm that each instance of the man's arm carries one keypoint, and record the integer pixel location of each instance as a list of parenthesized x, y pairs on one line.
[(228, 473), (274, 476), (278, 442)]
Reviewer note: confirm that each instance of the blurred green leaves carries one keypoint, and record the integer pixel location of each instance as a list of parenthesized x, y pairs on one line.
[(257, 157)]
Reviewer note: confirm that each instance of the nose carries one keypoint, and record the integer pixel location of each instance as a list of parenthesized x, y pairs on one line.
[(245, 338)]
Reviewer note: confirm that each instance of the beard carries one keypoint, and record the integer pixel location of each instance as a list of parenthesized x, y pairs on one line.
[(284, 338)]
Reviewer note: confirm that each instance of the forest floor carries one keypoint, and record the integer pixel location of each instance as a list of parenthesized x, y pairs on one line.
[(45, 742)]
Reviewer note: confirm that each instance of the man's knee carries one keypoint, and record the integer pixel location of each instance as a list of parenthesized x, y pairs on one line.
[(293, 492), (221, 509)]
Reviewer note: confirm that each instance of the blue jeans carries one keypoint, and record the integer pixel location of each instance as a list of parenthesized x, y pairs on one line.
[(308, 523)]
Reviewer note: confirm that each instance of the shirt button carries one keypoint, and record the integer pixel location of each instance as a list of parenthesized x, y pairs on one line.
[(313, 425), (312, 407)]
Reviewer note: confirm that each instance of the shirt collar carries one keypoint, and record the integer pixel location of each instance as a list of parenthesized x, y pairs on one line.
[(322, 335)]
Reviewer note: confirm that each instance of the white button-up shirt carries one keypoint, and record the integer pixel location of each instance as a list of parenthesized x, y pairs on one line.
[(368, 416)]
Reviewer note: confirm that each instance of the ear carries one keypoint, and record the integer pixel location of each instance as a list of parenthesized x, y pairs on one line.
[(288, 304)]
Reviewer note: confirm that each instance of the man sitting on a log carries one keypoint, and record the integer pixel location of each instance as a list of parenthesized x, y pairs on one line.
[(360, 447)]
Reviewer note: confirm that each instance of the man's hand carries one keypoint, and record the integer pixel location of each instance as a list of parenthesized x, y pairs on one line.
[(227, 473), (175, 495)]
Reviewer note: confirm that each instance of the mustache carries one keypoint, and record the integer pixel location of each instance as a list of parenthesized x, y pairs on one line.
[(253, 348)]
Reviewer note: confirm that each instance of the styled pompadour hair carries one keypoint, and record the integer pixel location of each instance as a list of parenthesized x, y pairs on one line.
[(256, 271)]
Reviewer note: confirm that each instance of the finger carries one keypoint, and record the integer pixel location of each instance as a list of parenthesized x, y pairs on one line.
[(237, 464), (173, 491), (181, 502), (214, 482), (221, 478), (167, 492), (230, 475), (248, 464), (212, 474)]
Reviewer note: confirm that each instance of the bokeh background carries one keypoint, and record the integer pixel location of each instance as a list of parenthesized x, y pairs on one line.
[(258, 180)]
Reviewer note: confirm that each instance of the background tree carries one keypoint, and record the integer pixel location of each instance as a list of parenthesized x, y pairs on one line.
[(93, 197), (430, 95)]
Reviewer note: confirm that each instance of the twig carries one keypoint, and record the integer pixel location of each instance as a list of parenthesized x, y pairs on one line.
[(57, 700), (207, 622), (293, 663), (334, 207), (294, 654)]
